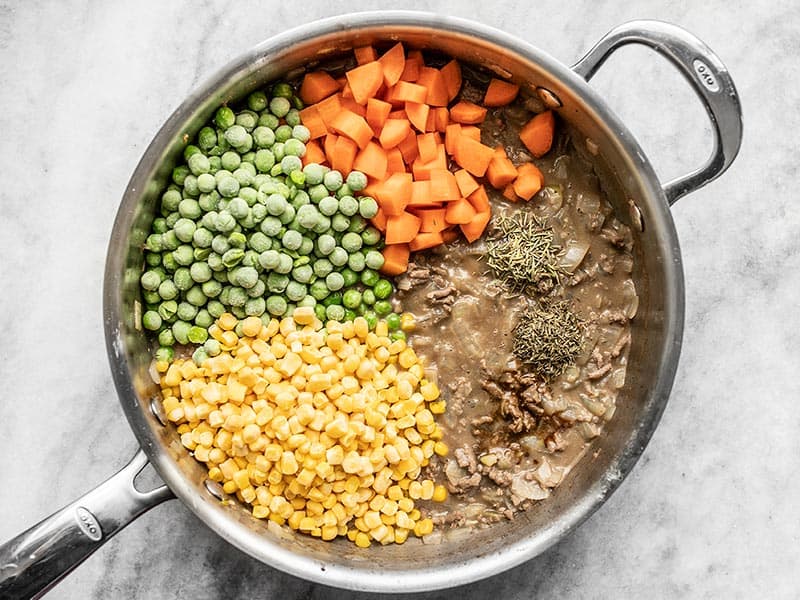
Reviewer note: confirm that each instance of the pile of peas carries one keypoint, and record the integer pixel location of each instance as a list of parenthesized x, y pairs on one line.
[(245, 228)]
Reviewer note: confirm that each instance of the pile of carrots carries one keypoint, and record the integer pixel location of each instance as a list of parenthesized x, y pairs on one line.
[(390, 118)]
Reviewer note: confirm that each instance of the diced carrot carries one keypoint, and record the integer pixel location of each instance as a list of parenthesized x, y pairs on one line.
[(329, 145), (402, 228), (473, 230), (421, 193), (426, 142), (314, 153), (347, 91), (365, 54), (442, 118), (344, 153), (422, 170), (354, 107), (430, 122), (509, 193), (394, 194), (311, 118), (316, 86), (394, 131), (403, 91), (501, 170), (468, 113), (450, 234), (373, 189), (394, 161), (379, 221), (500, 93), (398, 114), (353, 126), (451, 136), (443, 186), (529, 181), (460, 212), (433, 80), (372, 161), (413, 64), (395, 259), (417, 113), (329, 108), (393, 63), (473, 156), (451, 73), (433, 219), (466, 182), (365, 80), (537, 134), (471, 132), (479, 200), (377, 112), (426, 240), (408, 147)]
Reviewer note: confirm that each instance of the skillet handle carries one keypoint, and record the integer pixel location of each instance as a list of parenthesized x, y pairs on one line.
[(708, 77), (34, 561)]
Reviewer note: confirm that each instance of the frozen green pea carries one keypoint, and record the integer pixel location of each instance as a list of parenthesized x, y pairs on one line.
[(184, 229), (152, 259), (269, 259), (200, 272), (319, 290), (154, 242), (228, 186), (303, 273), (171, 219), (237, 297), (357, 224), (271, 226), (295, 291), (263, 137), (184, 255), (190, 187), (370, 236), (335, 312), (167, 290), (195, 296), (214, 162), (230, 161), (203, 319), (247, 119), (332, 180), (197, 335), (255, 307), (374, 259), (351, 299), (198, 163), (202, 238), (307, 215), (349, 276), (292, 118), (282, 90), (278, 150), (292, 239), (259, 242), (314, 173), (248, 194), (308, 300), (351, 242), (322, 267), (294, 147), (282, 134), (237, 239), (339, 222), (356, 262), (189, 208), (236, 135), (190, 151), (356, 180), (276, 305), (338, 257), (212, 347), (215, 308), (279, 106), (165, 338), (201, 254), (276, 204), (370, 277), (214, 261), (225, 222), (319, 311), (367, 207), (151, 320), (206, 183), (238, 312), (268, 120), (209, 202), (277, 282), (256, 101), (238, 208), (180, 331), (246, 277), (220, 244), (368, 297), (383, 308), (224, 117), (383, 289), (306, 246), (179, 174), (232, 257), (243, 176), (186, 311), (301, 133), (285, 264), (150, 280), (334, 281), (259, 212), (170, 200), (323, 225), (258, 289), (348, 206), (151, 299), (209, 220), (182, 279), (211, 288), (317, 192), (291, 163), (328, 206), (160, 225)]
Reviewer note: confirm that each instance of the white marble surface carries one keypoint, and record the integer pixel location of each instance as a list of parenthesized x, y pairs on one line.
[(709, 511)]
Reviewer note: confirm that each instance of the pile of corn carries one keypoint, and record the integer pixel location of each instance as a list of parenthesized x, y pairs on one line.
[(325, 429)]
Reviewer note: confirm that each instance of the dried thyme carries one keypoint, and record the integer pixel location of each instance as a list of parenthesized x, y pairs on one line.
[(547, 338), (522, 253)]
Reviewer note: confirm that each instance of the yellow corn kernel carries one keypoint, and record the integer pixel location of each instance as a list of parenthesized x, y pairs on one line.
[(362, 540), (407, 322), (439, 493), (407, 505), (423, 527), (441, 448), (407, 358)]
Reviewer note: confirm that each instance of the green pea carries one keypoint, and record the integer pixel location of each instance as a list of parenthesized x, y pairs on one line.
[(198, 163), (328, 206), (338, 257), (255, 307), (246, 277), (165, 338), (293, 118), (168, 262), (184, 229), (314, 174), (350, 277), (383, 289), (397, 335), (277, 282), (152, 259), (228, 186), (150, 280), (160, 225), (201, 254), (307, 301), (232, 257), (211, 288), (197, 335), (374, 259), (351, 242), (306, 246), (258, 289), (393, 321), (186, 311), (268, 120), (212, 347), (269, 259), (356, 262), (369, 277), (323, 225), (303, 273), (184, 255), (357, 224), (179, 174), (203, 319), (334, 281), (368, 297), (285, 264), (383, 308), (259, 212), (279, 106), (317, 192), (167, 290), (357, 181), (238, 208), (238, 312), (319, 291), (170, 200), (189, 208), (170, 220), (195, 296), (206, 183), (237, 297), (224, 117), (332, 180), (276, 204), (214, 261), (151, 320), (165, 353), (308, 215), (295, 291), (335, 312), (151, 299), (325, 244), (320, 312), (215, 308), (370, 236), (322, 267), (288, 215), (301, 133), (371, 318), (247, 119), (348, 206), (351, 298), (291, 240), (276, 305)]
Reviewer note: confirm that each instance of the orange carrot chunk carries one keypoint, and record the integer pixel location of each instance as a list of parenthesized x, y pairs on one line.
[(442, 118), (395, 259), (379, 220), (403, 91), (537, 134), (433, 80), (313, 121), (473, 230), (468, 113), (426, 143), (444, 187), (402, 228), (450, 137), (509, 193), (423, 241), (460, 212), (500, 93), (353, 126), (365, 81), (501, 171), (314, 153), (479, 200), (393, 63), (471, 131), (418, 114), (316, 86), (413, 64), (394, 161), (365, 54), (329, 108), (451, 73), (408, 147), (433, 219), (394, 194), (466, 182), (472, 155), (529, 181), (329, 145), (394, 131), (377, 112), (450, 234), (344, 153), (372, 161)]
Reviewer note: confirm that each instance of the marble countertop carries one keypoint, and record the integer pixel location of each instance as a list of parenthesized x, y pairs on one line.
[(709, 511)]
